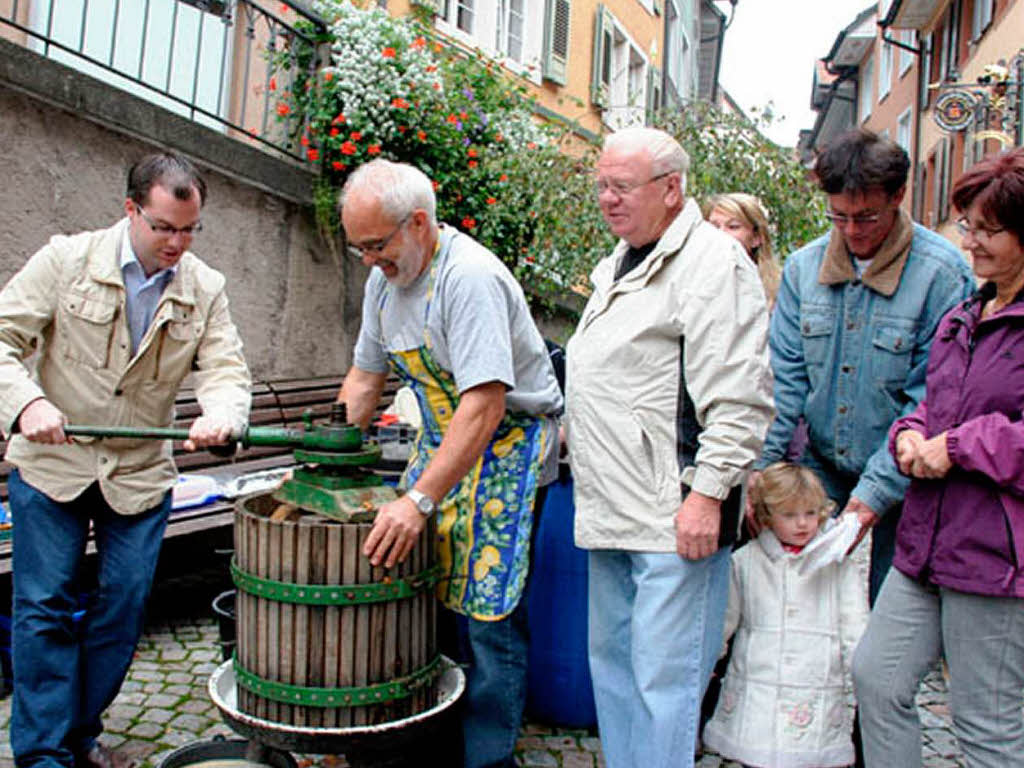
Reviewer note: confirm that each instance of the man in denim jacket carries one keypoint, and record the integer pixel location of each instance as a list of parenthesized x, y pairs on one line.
[(856, 314)]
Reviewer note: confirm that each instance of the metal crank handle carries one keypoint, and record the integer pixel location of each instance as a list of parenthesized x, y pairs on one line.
[(148, 433)]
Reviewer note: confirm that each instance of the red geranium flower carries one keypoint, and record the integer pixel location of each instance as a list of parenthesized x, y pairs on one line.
[(328, 76), (273, 84), (472, 163), (334, 132), (338, 119), (492, 200), (399, 102), (283, 109), (419, 42), (421, 135), (313, 154), (304, 141), (355, 135), (373, 149), (338, 165), (388, 53), (348, 148), (468, 222), (471, 152), (452, 118), (503, 177)]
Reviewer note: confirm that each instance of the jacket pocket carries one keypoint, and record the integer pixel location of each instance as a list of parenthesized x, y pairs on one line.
[(176, 346), (816, 329), (85, 326), (891, 346)]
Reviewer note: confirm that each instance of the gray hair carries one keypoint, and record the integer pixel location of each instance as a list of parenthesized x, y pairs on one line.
[(667, 155), (398, 187)]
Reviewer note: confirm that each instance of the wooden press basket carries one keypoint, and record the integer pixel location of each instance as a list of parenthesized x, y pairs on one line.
[(324, 638)]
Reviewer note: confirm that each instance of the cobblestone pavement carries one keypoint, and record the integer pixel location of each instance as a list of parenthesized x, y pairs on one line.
[(164, 705)]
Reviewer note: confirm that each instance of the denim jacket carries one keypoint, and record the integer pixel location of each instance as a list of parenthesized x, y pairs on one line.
[(849, 353)]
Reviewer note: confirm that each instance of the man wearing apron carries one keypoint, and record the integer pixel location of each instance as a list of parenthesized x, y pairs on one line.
[(448, 318)]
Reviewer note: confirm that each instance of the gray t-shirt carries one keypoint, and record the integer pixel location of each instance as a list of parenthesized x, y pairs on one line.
[(478, 322)]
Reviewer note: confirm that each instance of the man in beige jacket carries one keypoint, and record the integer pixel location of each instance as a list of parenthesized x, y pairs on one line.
[(114, 319), (668, 400)]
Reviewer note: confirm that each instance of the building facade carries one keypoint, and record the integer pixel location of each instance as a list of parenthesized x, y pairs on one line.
[(942, 78)]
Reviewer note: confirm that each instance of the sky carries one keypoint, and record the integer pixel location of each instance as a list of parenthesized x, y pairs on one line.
[(769, 54)]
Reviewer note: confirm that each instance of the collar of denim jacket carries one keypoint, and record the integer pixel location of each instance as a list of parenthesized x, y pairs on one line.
[(883, 274)]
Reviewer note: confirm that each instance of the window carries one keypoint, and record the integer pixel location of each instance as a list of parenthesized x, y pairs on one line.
[(510, 29), (867, 89), (619, 80), (903, 130), (885, 71), (925, 95), (981, 17), (464, 15), (949, 56), (906, 37), (677, 50)]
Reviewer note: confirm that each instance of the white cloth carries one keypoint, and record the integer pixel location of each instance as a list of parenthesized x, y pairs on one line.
[(786, 700)]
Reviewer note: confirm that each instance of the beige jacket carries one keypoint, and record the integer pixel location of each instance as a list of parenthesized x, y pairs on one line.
[(695, 305), (65, 308)]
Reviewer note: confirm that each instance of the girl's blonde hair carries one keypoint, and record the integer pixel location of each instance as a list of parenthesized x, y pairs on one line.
[(749, 210), (780, 483)]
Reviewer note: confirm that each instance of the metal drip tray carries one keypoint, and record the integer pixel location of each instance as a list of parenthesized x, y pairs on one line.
[(384, 744)]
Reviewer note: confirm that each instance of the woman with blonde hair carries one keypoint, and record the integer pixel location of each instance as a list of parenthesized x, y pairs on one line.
[(745, 218)]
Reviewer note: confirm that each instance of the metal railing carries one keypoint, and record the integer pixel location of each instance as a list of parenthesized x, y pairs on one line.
[(222, 63)]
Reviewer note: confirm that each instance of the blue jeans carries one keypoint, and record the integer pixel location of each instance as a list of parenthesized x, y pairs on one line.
[(66, 676), (494, 656), (655, 627)]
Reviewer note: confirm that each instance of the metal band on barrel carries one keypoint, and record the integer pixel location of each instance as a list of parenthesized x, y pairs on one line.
[(334, 594), (381, 693)]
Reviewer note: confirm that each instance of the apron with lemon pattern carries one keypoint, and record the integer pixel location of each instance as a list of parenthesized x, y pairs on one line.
[(484, 523)]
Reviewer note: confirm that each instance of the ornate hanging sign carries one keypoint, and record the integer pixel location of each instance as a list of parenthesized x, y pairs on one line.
[(954, 110)]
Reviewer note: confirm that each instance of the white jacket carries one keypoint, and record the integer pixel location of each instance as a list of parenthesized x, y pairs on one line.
[(786, 700), (697, 296)]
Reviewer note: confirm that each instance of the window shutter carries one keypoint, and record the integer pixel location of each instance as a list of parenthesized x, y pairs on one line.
[(942, 204), (556, 41), (653, 94), (600, 80)]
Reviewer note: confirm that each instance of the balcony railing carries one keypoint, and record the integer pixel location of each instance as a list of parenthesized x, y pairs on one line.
[(222, 63)]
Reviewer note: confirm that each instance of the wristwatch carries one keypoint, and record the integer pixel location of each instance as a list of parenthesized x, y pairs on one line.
[(426, 505)]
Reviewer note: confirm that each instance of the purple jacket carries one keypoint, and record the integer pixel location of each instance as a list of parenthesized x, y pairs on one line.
[(966, 531)]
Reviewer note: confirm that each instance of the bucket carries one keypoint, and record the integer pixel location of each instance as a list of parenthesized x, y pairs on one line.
[(224, 609), (559, 688), (224, 753), (324, 638)]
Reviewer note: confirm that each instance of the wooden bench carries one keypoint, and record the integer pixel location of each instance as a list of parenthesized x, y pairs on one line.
[(274, 404)]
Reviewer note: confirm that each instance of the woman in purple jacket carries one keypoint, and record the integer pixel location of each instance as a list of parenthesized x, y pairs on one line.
[(957, 584)]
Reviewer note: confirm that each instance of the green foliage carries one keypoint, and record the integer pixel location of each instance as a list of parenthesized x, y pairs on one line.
[(524, 190), (729, 154)]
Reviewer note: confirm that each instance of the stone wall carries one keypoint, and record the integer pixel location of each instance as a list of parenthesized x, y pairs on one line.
[(67, 141)]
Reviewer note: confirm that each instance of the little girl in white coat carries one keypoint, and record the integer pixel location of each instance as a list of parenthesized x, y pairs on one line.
[(798, 606)]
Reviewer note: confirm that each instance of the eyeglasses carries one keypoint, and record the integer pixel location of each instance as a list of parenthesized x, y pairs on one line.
[(623, 188), (166, 230), (841, 219), (963, 226), (375, 249)]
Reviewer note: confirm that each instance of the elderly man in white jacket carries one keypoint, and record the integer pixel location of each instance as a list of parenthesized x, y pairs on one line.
[(668, 401)]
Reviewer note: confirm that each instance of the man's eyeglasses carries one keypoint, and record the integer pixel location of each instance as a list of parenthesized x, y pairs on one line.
[(841, 219), (166, 230), (623, 188), (375, 249), (963, 226)]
